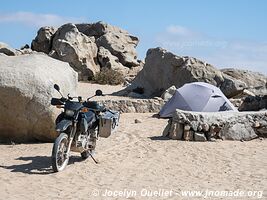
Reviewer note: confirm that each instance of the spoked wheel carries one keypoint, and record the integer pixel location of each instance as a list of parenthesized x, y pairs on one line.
[(60, 158)]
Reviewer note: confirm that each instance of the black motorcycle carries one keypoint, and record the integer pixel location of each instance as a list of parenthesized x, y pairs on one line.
[(77, 127)]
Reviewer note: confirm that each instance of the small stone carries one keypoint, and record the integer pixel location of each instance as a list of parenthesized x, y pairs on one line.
[(212, 131), (200, 137), (186, 127), (137, 121), (217, 129), (256, 124), (205, 127), (213, 140), (199, 128), (188, 135), (177, 131)]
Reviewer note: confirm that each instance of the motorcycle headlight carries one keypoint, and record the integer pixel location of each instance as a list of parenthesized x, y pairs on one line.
[(69, 113)]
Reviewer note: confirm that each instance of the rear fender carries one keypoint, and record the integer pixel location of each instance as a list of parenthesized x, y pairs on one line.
[(63, 125)]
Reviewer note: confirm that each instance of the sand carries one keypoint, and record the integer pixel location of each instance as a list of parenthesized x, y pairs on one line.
[(135, 159), (136, 163)]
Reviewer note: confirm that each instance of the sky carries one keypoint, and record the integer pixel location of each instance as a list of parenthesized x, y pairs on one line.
[(224, 33)]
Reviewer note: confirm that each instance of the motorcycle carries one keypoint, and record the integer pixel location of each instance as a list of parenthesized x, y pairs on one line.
[(78, 128)]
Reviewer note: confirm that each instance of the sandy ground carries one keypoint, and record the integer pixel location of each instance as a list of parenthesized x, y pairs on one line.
[(136, 159), (87, 90), (136, 163)]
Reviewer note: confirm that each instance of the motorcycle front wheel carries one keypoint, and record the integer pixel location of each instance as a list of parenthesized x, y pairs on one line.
[(60, 158)]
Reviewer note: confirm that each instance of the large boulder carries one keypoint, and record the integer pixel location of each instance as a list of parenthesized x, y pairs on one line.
[(163, 69), (26, 88), (90, 47), (107, 60), (253, 81), (232, 87), (118, 41), (121, 46), (79, 50), (7, 50), (254, 103), (43, 40)]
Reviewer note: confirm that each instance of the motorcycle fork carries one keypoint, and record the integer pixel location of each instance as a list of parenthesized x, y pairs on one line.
[(71, 136)]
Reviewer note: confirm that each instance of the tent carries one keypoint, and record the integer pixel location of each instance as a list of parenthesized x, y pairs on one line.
[(199, 97)]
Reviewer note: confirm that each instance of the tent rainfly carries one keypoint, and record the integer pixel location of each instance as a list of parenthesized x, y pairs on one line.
[(199, 97)]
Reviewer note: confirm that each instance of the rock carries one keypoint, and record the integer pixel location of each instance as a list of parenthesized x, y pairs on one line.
[(231, 86), (227, 125), (78, 45), (98, 29), (212, 131), (169, 93), (134, 105), (176, 132), (213, 140), (188, 135), (79, 50), (107, 60), (119, 42), (167, 129), (254, 103), (7, 50), (163, 69), (199, 128), (262, 131), (137, 121), (199, 137), (26, 88), (43, 40), (187, 128), (255, 82), (256, 125), (205, 127), (238, 131)]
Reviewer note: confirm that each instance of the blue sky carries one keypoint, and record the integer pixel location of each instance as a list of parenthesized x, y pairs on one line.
[(225, 33)]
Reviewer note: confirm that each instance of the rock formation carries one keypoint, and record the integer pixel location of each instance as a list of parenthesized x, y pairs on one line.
[(163, 69), (7, 50), (199, 126), (89, 47), (26, 88), (253, 81), (43, 40), (77, 49)]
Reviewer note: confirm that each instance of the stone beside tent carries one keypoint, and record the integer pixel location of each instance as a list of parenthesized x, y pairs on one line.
[(164, 69), (199, 126), (89, 47)]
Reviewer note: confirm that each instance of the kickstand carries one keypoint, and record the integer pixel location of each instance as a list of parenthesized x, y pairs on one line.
[(93, 158)]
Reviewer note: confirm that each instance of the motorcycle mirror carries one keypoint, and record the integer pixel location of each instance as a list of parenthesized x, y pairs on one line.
[(98, 93), (57, 88)]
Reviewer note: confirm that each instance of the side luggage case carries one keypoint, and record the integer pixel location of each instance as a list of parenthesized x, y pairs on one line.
[(108, 123)]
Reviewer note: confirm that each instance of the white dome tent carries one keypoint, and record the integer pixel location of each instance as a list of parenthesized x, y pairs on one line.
[(199, 97)]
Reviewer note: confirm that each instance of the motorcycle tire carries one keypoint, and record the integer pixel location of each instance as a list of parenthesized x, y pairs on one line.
[(59, 158)]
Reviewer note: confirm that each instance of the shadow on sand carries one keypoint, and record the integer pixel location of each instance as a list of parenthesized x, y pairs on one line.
[(159, 138), (38, 165)]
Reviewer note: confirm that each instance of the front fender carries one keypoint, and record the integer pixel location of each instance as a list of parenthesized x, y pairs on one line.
[(63, 125)]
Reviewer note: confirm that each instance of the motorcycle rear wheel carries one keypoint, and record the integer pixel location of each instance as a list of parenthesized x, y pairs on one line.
[(60, 158)]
